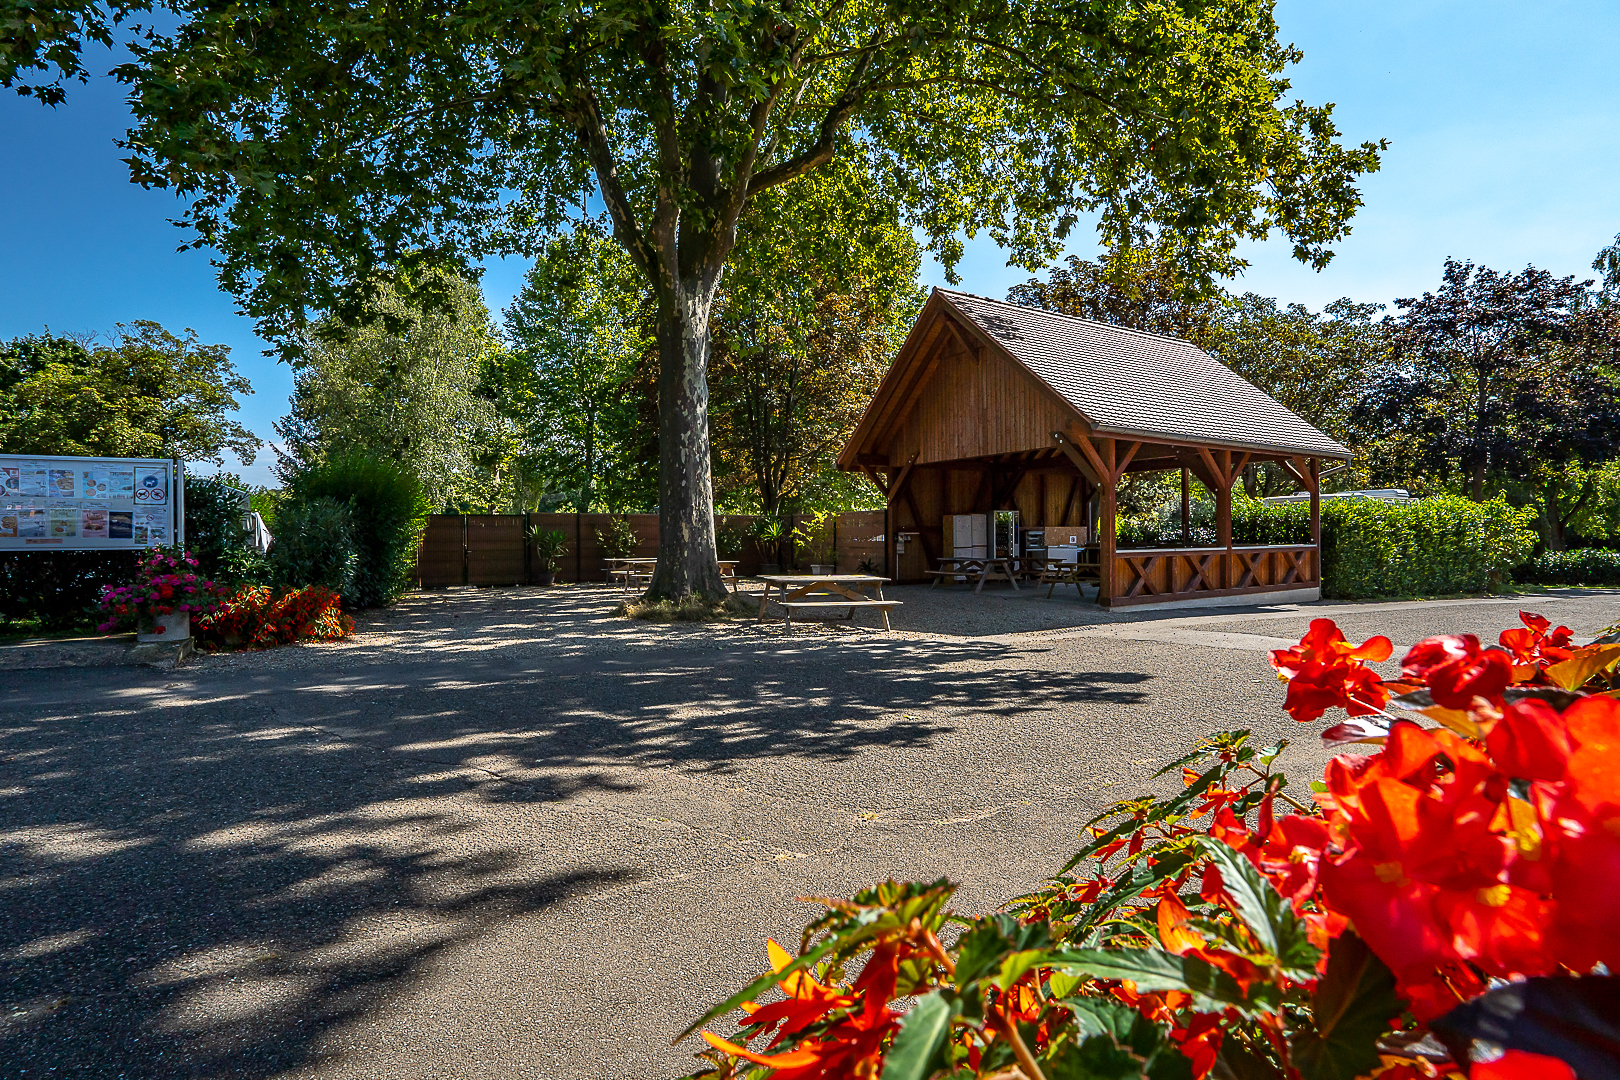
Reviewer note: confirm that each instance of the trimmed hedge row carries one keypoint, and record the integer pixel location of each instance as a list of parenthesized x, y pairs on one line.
[(1442, 544), (1583, 566)]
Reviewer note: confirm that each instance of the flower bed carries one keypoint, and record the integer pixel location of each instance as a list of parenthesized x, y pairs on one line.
[(166, 583), (257, 617), (1466, 870)]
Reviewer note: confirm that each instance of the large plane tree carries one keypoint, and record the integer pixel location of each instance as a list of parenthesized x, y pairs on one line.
[(324, 145)]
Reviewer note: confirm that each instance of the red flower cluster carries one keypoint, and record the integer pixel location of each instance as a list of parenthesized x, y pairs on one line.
[(257, 618), (166, 583), (1463, 859), (1325, 671), (851, 1045)]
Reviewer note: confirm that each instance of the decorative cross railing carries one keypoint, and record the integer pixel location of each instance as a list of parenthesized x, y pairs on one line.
[(1155, 575)]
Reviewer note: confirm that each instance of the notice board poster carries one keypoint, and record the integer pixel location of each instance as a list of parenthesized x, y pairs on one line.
[(84, 503)]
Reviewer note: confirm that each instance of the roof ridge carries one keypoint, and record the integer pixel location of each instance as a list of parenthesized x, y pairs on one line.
[(1071, 318)]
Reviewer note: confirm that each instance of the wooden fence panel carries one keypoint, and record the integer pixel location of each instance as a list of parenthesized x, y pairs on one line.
[(860, 539), (495, 554), (442, 558), (490, 549)]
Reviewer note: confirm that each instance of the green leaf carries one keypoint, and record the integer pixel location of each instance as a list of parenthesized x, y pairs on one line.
[(1015, 964), (1159, 811), (1097, 1058), (1155, 969), (991, 939), (923, 1031), (1354, 1003), (1279, 931)]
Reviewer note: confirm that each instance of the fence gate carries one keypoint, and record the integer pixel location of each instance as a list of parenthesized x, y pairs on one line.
[(495, 550), (442, 559)]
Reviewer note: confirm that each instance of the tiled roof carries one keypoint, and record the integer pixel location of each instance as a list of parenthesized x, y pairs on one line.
[(1126, 382)]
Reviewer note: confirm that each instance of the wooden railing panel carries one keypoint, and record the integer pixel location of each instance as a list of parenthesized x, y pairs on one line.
[(1163, 575)]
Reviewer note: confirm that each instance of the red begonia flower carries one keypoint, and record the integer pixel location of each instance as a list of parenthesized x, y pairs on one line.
[(1456, 670), (1324, 671), (1530, 741)]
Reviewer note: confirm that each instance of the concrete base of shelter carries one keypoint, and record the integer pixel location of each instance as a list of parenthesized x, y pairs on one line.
[(1247, 599)]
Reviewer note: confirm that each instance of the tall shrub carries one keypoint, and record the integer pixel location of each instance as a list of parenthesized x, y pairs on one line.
[(213, 522), (314, 545), (387, 511)]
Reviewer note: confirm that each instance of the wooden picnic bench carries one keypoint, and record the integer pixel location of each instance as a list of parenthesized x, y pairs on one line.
[(1087, 570), (1007, 569), (640, 571), (840, 590)]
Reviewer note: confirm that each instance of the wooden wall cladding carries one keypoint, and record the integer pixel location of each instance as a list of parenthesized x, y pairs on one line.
[(977, 404), (495, 554)]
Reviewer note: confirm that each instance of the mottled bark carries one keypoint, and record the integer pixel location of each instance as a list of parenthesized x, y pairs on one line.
[(688, 564)]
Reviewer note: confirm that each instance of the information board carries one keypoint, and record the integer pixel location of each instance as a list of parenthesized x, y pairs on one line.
[(90, 503)]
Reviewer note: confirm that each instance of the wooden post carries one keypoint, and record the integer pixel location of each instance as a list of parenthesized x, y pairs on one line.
[(1313, 471), (1106, 539), (1186, 507), (1223, 501)]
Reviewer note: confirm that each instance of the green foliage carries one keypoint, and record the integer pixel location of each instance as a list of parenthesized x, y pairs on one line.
[(1354, 1003), (1442, 544), (813, 536), (147, 394), (570, 385), (387, 512), (619, 540), (1435, 546), (820, 292), (728, 541), (406, 385), (1582, 566), (214, 530), (315, 545), (549, 546), (50, 591), (1494, 375)]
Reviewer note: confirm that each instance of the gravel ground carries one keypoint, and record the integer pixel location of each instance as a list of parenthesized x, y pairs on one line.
[(502, 833)]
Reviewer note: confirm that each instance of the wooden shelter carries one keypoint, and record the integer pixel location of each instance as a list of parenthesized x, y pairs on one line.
[(993, 406)]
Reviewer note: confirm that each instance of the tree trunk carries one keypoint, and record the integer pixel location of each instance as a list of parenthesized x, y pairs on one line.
[(687, 562)]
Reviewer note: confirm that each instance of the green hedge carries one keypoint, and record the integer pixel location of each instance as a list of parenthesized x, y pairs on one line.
[(1583, 566), (1442, 544)]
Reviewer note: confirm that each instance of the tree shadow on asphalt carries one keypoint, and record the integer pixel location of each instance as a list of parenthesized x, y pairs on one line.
[(207, 880)]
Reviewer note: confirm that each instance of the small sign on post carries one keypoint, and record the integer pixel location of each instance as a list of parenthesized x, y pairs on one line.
[(90, 503)]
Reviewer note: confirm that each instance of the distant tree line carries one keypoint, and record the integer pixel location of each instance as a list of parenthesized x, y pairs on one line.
[(1493, 383)]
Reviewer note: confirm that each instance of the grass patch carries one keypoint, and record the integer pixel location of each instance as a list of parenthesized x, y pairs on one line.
[(695, 609)]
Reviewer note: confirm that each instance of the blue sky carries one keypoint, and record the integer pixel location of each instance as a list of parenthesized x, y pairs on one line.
[(1503, 119)]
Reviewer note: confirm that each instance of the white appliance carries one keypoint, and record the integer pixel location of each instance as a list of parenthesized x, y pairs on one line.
[(970, 536), (1064, 542)]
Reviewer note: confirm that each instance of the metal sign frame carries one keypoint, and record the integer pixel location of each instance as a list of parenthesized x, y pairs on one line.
[(55, 503)]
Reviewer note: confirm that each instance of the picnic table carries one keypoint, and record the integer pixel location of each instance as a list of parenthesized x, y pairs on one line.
[(842, 590), (1087, 570), (1007, 568), (640, 571)]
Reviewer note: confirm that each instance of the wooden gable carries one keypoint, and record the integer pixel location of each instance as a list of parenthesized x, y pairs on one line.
[(954, 395)]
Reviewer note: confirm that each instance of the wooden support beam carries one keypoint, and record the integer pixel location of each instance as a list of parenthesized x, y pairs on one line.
[(922, 530), (1106, 539), (1083, 455), (1186, 507), (892, 526), (986, 487), (877, 481)]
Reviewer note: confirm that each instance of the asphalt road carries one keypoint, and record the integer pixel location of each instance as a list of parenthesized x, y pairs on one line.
[(514, 840)]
